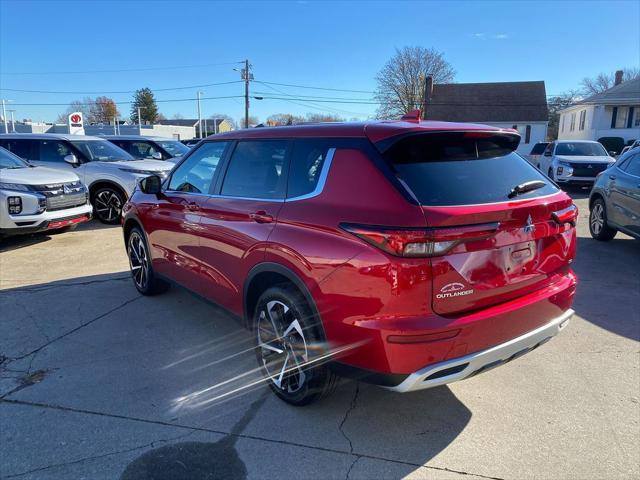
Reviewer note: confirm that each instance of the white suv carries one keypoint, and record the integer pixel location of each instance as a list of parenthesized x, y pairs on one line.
[(110, 173), (34, 199), (574, 162)]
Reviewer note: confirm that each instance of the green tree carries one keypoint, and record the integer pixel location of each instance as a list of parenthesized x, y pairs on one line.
[(145, 100)]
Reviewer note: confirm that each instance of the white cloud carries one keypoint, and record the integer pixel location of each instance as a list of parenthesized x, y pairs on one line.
[(500, 36)]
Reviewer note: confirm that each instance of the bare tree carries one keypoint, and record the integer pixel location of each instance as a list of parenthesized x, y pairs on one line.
[(604, 81), (323, 117), (83, 106), (253, 121), (278, 119), (401, 81), (224, 116), (554, 105)]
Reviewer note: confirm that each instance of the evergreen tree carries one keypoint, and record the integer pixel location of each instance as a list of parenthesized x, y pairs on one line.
[(145, 100)]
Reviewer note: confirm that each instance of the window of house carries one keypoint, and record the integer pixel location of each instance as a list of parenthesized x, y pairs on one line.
[(583, 117), (621, 118), (636, 120), (572, 126), (527, 134)]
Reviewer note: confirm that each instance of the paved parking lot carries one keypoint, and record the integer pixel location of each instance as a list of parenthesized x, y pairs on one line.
[(98, 382)]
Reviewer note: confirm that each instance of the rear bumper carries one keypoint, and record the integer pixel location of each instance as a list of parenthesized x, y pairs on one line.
[(474, 363)]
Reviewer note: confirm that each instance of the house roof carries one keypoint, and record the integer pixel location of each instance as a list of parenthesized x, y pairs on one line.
[(190, 122), (626, 92), (489, 102)]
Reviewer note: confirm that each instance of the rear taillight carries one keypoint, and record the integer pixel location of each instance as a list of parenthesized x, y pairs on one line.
[(424, 242), (567, 215)]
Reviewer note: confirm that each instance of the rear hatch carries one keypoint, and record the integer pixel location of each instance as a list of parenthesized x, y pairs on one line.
[(500, 229)]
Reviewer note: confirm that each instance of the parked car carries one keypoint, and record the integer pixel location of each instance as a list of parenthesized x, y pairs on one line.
[(574, 162), (156, 148), (34, 199), (537, 150), (110, 173), (614, 203), (386, 251)]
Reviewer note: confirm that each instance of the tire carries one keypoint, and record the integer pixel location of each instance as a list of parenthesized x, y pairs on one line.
[(142, 274), (107, 204), (550, 174), (598, 222), (288, 335)]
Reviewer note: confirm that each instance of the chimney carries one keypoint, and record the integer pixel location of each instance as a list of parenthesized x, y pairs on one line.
[(618, 80), (428, 92)]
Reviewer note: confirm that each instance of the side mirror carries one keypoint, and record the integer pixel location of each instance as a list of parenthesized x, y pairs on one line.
[(71, 159), (151, 185), (156, 156), (612, 153)]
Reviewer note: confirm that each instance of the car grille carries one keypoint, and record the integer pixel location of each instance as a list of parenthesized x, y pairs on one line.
[(63, 195), (588, 169)]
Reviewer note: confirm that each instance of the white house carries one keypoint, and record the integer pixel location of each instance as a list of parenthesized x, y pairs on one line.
[(612, 113), (518, 105)]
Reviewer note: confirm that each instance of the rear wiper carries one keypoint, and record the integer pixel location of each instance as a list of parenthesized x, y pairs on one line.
[(526, 187)]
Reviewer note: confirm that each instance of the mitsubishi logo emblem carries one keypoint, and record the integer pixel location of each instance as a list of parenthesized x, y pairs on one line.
[(529, 227)]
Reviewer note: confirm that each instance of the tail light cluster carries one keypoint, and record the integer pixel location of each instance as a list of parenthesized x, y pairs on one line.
[(567, 215), (425, 242)]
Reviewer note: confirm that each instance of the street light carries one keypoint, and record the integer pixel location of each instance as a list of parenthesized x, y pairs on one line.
[(13, 121), (4, 115)]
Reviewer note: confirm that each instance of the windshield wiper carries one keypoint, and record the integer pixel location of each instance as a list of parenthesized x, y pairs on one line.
[(526, 187)]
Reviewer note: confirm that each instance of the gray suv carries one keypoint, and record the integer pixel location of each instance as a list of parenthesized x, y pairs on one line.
[(614, 203)]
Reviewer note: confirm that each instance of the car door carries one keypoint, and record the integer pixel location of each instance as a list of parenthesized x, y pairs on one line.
[(173, 222), (545, 159), (625, 194), (238, 220)]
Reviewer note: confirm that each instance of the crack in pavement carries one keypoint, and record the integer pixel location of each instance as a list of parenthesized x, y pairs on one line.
[(238, 436), (352, 406)]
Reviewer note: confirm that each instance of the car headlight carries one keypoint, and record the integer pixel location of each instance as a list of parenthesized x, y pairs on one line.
[(14, 186), (564, 168), (142, 172)]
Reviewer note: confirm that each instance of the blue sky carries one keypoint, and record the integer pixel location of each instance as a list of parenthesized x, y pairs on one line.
[(323, 44)]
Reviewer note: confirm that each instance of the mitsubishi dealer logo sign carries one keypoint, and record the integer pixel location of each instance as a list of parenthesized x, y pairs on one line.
[(75, 123)]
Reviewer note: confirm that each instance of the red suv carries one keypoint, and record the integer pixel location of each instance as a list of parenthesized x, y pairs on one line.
[(404, 253)]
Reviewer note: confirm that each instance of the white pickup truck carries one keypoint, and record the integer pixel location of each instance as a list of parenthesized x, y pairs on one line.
[(34, 199)]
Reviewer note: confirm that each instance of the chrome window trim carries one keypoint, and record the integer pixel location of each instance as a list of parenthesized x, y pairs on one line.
[(324, 173)]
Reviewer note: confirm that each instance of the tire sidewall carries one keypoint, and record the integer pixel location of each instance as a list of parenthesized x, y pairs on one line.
[(311, 327), (605, 228), (149, 288)]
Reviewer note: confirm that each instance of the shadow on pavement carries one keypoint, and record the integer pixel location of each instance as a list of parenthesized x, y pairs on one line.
[(609, 282)]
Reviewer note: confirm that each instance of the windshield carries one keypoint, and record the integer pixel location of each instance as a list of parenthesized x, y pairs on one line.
[(101, 150), (9, 160), (580, 148), (175, 148)]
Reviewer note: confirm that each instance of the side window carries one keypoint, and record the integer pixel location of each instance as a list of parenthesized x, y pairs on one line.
[(141, 149), (632, 166), (53, 151), (22, 148), (549, 150), (257, 170), (196, 173), (307, 161)]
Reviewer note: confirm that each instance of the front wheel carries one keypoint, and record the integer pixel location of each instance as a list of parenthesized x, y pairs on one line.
[(140, 262), (598, 222), (107, 203), (550, 174), (290, 346)]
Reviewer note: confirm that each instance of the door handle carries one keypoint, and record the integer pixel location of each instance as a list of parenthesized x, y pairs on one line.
[(193, 206), (261, 217), (612, 177)]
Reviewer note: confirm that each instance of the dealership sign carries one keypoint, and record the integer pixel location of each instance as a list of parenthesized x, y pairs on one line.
[(75, 123)]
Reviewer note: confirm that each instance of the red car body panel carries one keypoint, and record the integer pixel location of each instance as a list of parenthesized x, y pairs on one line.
[(520, 277)]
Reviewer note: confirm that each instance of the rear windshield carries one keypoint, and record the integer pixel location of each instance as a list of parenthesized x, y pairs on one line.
[(580, 149), (463, 169), (538, 148)]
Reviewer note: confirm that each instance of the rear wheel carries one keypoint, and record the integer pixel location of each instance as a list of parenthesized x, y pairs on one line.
[(140, 262), (107, 203), (289, 346), (598, 221)]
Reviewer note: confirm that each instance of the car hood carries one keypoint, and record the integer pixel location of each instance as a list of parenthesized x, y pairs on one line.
[(149, 165), (36, 176), (585, 159)]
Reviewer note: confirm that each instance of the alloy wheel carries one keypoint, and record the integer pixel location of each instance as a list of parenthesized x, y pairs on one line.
[(108, 205), (597, 218), (138, 260), (283, 347)]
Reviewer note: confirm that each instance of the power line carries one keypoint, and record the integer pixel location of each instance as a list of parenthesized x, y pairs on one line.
[(315, 88), (127, 102), (146, 69), (188, 87)]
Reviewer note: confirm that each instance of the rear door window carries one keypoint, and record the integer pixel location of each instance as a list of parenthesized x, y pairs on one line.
[(307, 161), (463, 169), (54, 151), (257, 170), (196, 173), (632, 166)]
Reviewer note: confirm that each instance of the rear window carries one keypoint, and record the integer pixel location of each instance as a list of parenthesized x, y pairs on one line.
[(463, 169)]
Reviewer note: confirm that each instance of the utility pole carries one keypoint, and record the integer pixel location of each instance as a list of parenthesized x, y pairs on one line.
[(4, 117), (246, 75), (199, 117), (13, 121), (428, 90), (115, 132), (206, 130)]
